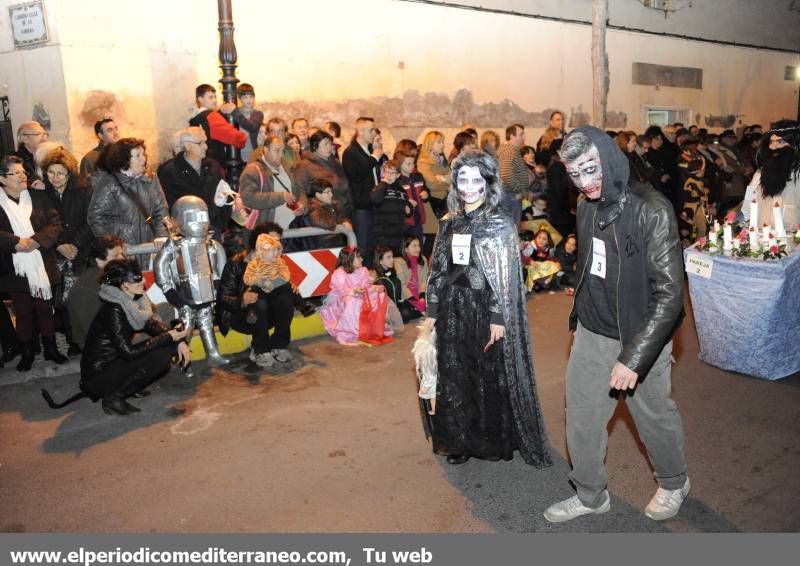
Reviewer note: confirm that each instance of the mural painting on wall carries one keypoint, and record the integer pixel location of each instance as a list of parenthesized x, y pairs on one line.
[(410, 115), (41, 115), (720, 121), (100, 104), (579, 117)]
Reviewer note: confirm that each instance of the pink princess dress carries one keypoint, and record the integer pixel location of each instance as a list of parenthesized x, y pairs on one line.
[(341, 310)]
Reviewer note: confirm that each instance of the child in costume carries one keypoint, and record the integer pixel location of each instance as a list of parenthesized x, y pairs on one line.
[(351, 284)]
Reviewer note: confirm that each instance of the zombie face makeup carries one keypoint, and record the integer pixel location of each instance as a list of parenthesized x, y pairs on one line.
[(471, 185), (587, 173)]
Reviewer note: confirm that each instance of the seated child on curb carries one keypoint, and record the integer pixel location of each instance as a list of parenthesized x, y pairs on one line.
[(267, 270), (412, 270), (351, 283), (386, 275), (566, 256), (538, 261)]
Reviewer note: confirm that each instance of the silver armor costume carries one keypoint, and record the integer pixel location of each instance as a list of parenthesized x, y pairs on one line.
[(187, 264)]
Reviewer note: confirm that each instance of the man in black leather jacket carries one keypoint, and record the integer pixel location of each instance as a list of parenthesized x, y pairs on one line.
[(628, 303)]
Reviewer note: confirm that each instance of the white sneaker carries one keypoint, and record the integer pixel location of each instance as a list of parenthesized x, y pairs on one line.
[(282, 355), (666, 502), (572, 508), (265, 360)]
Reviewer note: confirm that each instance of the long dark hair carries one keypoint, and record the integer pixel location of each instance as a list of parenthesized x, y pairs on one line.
[(779, 166), (407, 242), (346, 257), (380, 251)]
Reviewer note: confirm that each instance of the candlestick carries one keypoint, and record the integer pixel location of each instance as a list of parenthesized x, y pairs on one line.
[(754, 214), (727, 237), (777, 215), (753, 235)]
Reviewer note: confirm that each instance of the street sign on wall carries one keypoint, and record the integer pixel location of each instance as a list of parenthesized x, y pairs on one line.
[(28, 23)]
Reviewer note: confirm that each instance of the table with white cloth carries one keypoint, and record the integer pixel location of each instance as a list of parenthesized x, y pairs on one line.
[(747, 312)]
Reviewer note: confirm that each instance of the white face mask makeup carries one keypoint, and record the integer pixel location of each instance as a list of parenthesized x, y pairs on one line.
[(471, 185), (587, 173)]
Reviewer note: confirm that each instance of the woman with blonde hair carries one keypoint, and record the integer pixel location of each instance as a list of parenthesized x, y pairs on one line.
[(432, 165), (490, 142)]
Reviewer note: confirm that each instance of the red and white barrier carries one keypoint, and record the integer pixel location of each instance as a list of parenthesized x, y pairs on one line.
[(311, 271)]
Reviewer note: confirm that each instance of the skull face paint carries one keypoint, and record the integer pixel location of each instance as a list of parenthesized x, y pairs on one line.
[(471, 185), (586, 173)]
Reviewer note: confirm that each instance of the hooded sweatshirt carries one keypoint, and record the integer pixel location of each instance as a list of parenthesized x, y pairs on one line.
[(596, 305)]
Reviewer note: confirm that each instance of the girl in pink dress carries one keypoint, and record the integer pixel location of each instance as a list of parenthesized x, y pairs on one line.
[(341, 310)]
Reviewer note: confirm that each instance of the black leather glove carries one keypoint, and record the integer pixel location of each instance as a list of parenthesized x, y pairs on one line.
[(174, 298)]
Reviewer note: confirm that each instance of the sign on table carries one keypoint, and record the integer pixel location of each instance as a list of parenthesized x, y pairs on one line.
[(699, 265)]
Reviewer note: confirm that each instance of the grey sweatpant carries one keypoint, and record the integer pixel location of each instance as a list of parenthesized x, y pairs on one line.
[(590, 405)]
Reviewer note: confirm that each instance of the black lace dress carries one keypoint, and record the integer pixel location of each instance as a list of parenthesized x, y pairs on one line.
[(485, 406)]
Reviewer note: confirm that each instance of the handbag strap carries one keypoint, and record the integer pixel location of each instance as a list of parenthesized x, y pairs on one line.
[(134, 198)]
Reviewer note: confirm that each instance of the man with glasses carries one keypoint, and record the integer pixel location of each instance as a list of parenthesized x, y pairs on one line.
[(29, 136), (107, 132), (192, 173)]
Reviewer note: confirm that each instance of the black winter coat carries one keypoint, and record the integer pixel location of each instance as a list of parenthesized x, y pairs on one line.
[(558, 191), (389, 217), (363, 173), (73, 208), (178, 178), (231, 289), (47, 229), (110, 337)]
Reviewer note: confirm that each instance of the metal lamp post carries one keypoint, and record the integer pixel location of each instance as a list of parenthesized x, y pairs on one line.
[(227, 60)]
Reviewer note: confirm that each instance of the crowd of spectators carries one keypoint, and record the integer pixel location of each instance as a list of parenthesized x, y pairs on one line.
[(62, 223)]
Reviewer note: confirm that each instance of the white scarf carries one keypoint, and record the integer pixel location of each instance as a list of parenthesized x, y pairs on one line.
[(28, 265)]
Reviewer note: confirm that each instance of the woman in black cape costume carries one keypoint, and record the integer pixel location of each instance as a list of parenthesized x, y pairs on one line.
[(486, 401)]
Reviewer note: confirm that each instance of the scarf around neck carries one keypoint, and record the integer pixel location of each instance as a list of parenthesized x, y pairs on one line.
[(29, 265), (413, 282), (138, 312)]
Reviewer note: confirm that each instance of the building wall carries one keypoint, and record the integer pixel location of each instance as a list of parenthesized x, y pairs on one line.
[(411, 65), (33, 76), (770, 23)]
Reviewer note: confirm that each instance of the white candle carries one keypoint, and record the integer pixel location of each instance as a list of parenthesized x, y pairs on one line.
[(765, 233), (753, 234), (716, 226), (777, 215), (754, 214), (727, 237)]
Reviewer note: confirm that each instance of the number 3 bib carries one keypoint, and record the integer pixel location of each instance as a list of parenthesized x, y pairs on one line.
[(598, 258)]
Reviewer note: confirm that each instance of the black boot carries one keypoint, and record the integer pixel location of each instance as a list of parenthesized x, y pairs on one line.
[(114, 404), (306, 308), (51, 352), (11, 352), (36, 345), (27, 357), (74, 350)]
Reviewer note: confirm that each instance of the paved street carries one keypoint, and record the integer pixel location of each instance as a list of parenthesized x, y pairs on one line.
[(338, 446)]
